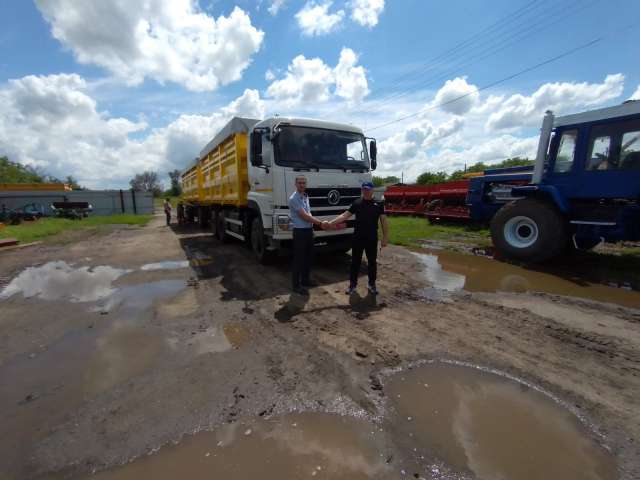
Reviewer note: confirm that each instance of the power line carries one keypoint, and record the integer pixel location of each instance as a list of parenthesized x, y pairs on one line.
[(475, 57), (505, 20), (493, 84)]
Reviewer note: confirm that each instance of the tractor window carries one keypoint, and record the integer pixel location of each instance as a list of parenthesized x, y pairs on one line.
[(599, 154), (630, 151), (566, 151)]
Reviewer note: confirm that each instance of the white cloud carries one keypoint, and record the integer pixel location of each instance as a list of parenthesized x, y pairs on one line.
[(315, 19), (458, 88), (636, 94), (309, 81), (366, 12), (520, 110), (409, 146), (167, 40), (306, 81), (351, 80), (50, 121), (275, 6), (269, 75)]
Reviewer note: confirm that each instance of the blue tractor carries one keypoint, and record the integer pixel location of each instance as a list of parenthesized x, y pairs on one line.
[(583, 189)]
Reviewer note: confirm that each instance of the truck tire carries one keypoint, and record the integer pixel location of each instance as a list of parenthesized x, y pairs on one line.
[(221, 228), (259, 242), (203, 217), (214, 223), (529, 229)]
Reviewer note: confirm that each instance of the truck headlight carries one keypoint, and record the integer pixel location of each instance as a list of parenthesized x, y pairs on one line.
[(283, 222)]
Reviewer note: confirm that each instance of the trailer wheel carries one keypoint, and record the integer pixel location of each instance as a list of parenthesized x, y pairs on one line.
[(259, 242), (221, 228), (203, 217), (214, 223), (529, 229)]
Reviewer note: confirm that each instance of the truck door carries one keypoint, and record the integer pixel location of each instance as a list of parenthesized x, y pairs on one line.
[(611, 164), (261, 178)]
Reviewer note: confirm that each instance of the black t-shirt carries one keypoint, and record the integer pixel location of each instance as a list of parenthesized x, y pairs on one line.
[(367, 213)]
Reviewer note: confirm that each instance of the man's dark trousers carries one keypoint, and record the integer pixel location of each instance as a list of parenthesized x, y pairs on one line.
[(302, 253), (370, 247)]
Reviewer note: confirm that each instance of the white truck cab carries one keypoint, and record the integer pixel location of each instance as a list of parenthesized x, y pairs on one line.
[(333, 157)]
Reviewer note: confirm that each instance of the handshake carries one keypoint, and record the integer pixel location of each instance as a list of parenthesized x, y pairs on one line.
[(333, 226)]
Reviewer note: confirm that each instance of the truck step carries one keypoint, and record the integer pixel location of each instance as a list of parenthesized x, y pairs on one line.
[(235, 235)]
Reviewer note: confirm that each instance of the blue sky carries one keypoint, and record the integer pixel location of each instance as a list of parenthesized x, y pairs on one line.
[(104, 90)]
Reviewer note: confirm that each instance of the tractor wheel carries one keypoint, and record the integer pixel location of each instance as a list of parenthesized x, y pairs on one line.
[(530, 230), (259, 242)]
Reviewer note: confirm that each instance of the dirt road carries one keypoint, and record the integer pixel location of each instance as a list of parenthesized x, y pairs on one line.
[(107, 353)]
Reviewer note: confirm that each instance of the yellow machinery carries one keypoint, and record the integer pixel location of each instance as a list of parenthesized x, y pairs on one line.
[(220, 176), (31, 187)]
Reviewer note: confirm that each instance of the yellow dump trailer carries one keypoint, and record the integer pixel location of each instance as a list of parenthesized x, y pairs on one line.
[(220, 176)]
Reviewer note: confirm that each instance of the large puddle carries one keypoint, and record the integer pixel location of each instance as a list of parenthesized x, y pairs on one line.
[(451, 271), (306, 445), (61, 281), (490, 427)]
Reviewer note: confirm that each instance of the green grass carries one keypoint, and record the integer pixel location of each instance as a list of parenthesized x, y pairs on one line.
[(410, 231), (32, 231)]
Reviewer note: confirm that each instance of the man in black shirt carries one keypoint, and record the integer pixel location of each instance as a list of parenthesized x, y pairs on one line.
[(368, 212)]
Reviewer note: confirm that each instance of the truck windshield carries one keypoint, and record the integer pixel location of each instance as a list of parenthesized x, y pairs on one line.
[(306, 147)]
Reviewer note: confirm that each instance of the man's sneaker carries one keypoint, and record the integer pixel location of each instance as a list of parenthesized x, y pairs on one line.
[(373, 290), (351, 289)]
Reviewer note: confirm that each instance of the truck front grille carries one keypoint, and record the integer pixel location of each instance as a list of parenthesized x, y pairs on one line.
[(319, 197)]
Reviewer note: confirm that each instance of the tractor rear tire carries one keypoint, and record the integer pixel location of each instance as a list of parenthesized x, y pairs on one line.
[(529, 229)]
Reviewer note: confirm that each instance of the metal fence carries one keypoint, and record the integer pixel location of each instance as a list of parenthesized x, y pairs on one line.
[(104, 202)]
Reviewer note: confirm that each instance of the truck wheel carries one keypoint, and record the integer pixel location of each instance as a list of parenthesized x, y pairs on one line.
[(221, 228), (214, 223), (203, 217), (259, 242), (529, 229)]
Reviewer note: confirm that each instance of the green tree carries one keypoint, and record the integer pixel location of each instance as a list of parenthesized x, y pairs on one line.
[(146, 182), (176, 188), (13, 172), (382, 181), (430, 178)]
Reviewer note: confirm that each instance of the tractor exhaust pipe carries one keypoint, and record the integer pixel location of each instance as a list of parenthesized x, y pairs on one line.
[(543, 145)]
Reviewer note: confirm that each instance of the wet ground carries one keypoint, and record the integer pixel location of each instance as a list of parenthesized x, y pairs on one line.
[(163, 341), (455, 271)]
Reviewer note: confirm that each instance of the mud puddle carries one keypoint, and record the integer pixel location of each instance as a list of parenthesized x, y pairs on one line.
[(61, 281), (236, 333), (306, 445), (452, 271), (168, 265), (485, 426)]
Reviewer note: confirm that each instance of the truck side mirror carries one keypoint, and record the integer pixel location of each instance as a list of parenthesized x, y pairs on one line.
[(256, 148), (373, 154)]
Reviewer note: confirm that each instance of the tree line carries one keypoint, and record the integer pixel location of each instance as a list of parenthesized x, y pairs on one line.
[(430, 178), (14, 172)]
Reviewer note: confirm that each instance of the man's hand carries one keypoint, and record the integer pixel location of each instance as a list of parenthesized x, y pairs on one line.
[(384, 242), (325, 225)]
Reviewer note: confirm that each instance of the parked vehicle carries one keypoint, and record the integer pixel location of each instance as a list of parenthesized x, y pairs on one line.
[(585, 187), (71, 210), (29, 212), (241, 181)]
